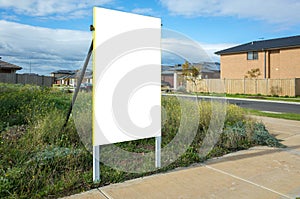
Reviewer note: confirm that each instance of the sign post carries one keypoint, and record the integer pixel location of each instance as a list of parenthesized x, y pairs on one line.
[(96, 163), (157, 152)]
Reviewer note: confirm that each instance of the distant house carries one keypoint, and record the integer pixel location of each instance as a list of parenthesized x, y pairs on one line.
[(208, 70), (275, 58), (69, 77), (167, 77), (6, 67), (63, 77), (173, 74)]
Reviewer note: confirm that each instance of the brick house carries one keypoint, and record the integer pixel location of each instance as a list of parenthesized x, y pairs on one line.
[(275, 58), (173, 74), (69, 77), (63, 76), (6, 67)]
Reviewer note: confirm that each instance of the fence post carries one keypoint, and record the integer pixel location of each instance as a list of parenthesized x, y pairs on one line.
[(255, 86), (295, 88), (43, 80), (267, 86), (175, 81), (244, 86), (225, 86)]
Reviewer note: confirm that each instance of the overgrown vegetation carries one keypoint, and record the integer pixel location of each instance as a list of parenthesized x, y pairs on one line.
[(38, 159)]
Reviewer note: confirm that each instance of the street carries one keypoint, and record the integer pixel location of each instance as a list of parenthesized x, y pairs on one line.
[(261, 105), (267, 106)]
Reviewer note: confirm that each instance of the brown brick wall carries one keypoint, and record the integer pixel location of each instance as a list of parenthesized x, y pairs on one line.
[(289, 63), (280, 64)]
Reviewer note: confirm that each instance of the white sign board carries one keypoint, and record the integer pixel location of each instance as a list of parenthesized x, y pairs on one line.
[(126, 77)]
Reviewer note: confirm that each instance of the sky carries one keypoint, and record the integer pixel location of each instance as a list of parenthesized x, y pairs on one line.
[(45, 36)]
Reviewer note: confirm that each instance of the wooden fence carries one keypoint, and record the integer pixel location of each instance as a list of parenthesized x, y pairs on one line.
[(280, 87), (14, 78)]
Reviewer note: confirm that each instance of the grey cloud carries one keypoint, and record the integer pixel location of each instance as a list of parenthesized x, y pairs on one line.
[(44, 48), (47, 49)]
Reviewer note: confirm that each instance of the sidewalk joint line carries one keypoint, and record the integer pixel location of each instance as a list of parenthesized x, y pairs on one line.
[(247, 181), (288, 136), (104, 194)]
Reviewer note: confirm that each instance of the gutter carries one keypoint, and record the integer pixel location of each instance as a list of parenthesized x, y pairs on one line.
[(265, 64)]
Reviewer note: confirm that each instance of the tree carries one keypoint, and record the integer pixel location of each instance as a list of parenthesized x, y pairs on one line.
[(253, 73), (191, 74)]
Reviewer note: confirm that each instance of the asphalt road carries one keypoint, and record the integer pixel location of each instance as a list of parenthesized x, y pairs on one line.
[(261, 105), (267, 106)]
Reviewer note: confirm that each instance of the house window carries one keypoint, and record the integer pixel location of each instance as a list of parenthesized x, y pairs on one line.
[(252, 55)]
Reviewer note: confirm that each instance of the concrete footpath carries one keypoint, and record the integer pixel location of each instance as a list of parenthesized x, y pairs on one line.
[(260, 172)]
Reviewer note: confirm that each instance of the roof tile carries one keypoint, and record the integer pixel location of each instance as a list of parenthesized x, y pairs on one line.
[(286, 42)]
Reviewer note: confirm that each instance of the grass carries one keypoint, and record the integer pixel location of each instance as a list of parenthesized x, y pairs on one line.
[(38, 160), (288, 116), (264, 97), (258, 96), (246, 96)]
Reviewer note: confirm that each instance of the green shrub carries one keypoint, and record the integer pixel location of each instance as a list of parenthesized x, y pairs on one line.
[(261, 136), (236, 136)]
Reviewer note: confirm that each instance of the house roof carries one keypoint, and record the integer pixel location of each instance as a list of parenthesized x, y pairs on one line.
[(69, 72), (6, 65), (64, 77), (286, 42), (167, 72)]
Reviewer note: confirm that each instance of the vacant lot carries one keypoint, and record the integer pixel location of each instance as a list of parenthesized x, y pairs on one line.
[(39, 159)]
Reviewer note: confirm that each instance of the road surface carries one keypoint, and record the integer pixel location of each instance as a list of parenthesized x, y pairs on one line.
[(261, 105), (267, 106)]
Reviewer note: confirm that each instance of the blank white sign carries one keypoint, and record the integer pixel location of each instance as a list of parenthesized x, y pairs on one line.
[(126, 77)]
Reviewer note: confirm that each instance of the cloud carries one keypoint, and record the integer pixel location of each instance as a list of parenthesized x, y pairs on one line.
[(44, 49), (177, 47), (176, 51), (52, 8), (47, 50), (271, 11), (147, 11), (9, 17), (210, 49)]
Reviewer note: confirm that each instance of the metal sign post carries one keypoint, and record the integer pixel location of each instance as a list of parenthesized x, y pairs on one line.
[(96, 163), (158, 152), (79, 81)]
